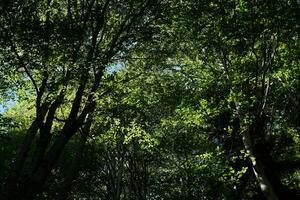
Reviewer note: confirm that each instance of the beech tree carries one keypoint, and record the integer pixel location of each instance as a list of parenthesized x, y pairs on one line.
[(113, 99), (246, 45), (59, 46)]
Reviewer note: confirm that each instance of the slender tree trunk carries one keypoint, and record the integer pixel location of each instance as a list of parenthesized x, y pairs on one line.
[(119, 177), (119, 169)]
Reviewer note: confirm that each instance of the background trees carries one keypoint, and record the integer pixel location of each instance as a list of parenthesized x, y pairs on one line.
[(150, 99)]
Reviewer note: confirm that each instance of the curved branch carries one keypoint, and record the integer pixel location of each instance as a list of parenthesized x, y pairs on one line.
[(22, 63)]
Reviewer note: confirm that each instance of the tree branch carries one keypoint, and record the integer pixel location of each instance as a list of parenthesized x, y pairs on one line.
[(22, 63)]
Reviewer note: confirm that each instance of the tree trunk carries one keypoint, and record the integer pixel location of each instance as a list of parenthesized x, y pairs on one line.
[(18, 164), (38, 179), (34, 185), (45, 133), (257, 165), (259, 170), (74, 169)]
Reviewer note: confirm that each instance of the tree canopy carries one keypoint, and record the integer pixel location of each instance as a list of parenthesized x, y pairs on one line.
[(155, 99)]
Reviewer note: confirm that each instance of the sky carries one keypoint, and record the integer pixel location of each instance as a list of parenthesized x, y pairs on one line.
[(1, 108), (5, 105), (113, 68)]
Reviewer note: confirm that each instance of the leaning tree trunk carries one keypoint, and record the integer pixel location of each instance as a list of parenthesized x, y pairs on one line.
[(34, 185), (45, 133), (258, 167), (18, 164), (38, 179), (74, 169), (75, 120)]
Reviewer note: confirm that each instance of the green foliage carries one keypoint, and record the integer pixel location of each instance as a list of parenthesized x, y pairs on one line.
[(182, 87)]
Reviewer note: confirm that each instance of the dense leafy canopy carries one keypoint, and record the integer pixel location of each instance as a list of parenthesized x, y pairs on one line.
[(156, 99)]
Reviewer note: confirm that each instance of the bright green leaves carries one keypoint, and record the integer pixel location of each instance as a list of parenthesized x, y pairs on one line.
[(21, 114), (136, 133), (167, 114)]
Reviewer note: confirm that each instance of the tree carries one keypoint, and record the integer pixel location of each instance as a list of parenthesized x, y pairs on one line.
[(61, 46), (246, 46), (150, 99)]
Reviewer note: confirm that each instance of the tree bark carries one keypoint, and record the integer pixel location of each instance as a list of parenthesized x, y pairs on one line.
[(75, 166), (34, 184), (259, 170), (45, 133), (18, 164), (37, 180), (257, 165)]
